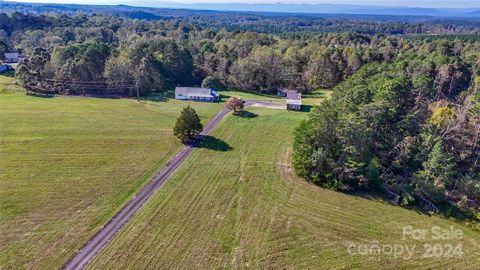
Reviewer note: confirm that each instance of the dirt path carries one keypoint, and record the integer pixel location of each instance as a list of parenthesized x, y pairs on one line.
[(266, 104), (107, 232)]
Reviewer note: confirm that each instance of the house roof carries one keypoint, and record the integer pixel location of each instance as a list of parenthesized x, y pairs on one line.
[(194, 91), (11, 55), (294, 95)]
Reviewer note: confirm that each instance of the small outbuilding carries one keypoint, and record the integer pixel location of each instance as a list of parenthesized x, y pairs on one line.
[(281, 92), (5, 68), (196, 94), (294, 100), (11, 57)]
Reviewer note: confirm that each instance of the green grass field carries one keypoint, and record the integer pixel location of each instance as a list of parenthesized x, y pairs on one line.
[(245, 209), (7, 85), (68, 163)]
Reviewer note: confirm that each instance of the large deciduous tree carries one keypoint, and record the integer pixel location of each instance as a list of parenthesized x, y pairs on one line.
[(235, 104)]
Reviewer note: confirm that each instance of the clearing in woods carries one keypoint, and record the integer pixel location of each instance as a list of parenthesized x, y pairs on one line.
[(237, 204), (69, 163)]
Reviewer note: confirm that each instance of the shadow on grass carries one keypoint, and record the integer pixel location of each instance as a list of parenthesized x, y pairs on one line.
[(445, 210), (316, 94), (246, 114), (211, 143), (306, 108), (40, 95), (158, 97), (8, 73)]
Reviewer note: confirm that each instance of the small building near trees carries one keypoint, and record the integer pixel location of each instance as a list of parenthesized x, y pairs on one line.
[(196, 94), (282, 92), (11, 57), (5, 68), (294, 100)]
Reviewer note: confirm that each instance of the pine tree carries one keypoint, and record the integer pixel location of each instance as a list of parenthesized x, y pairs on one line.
[(188, 125), (437, 174)]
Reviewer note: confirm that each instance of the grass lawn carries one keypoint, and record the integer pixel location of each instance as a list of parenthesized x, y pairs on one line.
[(308, 100), (315, 97), (7, 85), (247, 95), (244, 208), (69, 163)]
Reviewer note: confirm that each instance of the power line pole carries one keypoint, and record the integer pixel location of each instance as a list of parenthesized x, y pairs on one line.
[(138, 92)]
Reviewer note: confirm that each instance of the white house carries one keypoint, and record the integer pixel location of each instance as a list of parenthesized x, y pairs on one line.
[(294, 101), (11, 57), (196, 93)]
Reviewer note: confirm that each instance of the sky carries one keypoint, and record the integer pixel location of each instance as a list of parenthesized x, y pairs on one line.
[(409, 3)]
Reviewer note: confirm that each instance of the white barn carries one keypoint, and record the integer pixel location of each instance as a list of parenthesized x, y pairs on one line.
[(196, 93)]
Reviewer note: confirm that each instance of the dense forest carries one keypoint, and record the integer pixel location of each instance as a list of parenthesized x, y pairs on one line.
[(269, 22), (101, 54), (404, 116)]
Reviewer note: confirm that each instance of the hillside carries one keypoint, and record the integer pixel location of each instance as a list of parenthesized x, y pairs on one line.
[(244, 208), (240, 202)]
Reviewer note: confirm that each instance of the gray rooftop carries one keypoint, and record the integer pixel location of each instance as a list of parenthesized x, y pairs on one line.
[(194, 91), (11, 55), (294, 95)]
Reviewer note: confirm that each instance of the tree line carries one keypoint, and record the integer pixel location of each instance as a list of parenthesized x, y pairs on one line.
[(409, 127), (102, 54)]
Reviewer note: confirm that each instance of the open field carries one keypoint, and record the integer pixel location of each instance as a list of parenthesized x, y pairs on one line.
[(69, 163), (240, 206)]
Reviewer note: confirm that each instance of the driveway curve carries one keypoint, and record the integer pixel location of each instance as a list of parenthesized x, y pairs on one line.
[(83, 256)]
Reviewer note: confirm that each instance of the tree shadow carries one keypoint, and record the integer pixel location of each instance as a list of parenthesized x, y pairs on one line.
[(315, 94), (157, 97), (445, 210), (306, 108), (246, 114), (8, 73), (40, 95), (211, 143)]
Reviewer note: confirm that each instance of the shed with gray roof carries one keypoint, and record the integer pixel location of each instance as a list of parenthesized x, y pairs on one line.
[(294, 100)]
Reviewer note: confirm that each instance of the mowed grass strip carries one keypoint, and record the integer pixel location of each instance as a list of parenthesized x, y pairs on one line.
[(69, 163), (245, 209)]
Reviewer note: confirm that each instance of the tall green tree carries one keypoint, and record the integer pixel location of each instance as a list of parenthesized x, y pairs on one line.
[(188, 125), (438, 173)]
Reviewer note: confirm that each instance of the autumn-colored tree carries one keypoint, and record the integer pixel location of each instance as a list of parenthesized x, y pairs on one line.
[(235, 104)]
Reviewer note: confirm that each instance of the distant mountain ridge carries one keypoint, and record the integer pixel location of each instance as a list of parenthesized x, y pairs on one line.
[(136, 7), (317, 8)]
